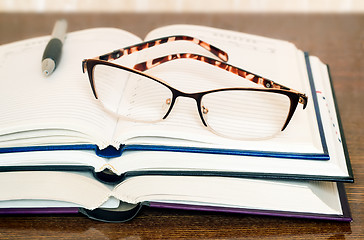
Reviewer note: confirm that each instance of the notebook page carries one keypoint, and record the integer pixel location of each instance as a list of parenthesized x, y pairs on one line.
[(251, 53), (34, 106), (314, 197)]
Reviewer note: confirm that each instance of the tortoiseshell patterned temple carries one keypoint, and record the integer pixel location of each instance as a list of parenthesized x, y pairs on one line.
[(144, 45), (143, 66)]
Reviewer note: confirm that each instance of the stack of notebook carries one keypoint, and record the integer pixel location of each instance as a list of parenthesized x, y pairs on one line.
[(61, 150)]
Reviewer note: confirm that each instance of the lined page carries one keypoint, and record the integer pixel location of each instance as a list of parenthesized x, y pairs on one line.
[(313, 197), (60, 106), (273, 59)]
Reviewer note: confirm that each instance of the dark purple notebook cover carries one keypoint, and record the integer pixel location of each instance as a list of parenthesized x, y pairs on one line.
[(53, 210), (345, 217), (251, 211)]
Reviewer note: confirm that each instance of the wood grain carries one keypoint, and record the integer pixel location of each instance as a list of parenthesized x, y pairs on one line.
[(338, 40)]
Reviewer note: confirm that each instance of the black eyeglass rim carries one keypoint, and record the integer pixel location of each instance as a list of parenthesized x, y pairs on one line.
[(89, 64)]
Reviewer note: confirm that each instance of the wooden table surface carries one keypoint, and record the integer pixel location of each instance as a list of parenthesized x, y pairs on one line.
[(336, 39)]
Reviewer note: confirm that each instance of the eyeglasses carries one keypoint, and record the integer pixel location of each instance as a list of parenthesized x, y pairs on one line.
[(237, 113)]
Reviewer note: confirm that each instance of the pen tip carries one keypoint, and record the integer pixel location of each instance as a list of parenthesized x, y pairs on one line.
[(48, 66)]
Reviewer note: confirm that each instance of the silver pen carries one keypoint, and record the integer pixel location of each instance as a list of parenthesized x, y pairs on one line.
[(52, 52)]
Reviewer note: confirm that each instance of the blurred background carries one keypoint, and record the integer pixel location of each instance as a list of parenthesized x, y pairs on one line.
[(181, 6)]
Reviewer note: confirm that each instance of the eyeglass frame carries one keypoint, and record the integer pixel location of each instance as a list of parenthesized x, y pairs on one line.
[(91, 63), (143, 66), (269, 85)]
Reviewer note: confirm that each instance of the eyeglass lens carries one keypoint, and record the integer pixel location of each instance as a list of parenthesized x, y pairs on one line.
[(245, 113), (131, 95), (239, 114)]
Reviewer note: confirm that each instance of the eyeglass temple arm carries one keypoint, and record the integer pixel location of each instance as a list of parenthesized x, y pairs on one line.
[(143, 66), (144, 45)]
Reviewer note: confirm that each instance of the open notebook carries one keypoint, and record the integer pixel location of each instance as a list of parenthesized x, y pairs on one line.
[(42, 117), (72, 192)]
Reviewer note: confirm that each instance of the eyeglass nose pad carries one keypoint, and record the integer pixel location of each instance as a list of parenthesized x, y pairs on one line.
[(204, 111), (166, 104)]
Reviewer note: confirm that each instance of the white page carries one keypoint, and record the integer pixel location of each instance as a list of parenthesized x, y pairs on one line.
[(313, 197), (83, 190), (32, 104), (270, 58)]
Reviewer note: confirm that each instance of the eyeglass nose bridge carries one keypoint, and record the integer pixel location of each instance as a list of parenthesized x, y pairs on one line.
[(196, 96)]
